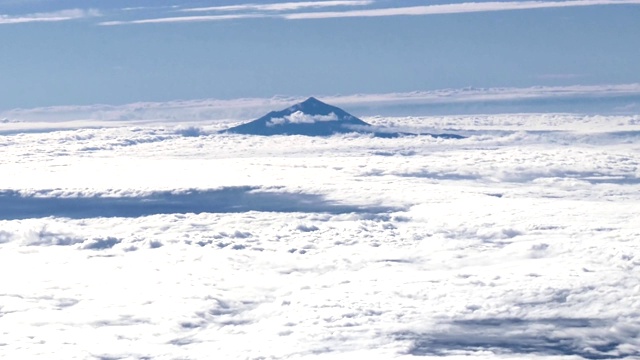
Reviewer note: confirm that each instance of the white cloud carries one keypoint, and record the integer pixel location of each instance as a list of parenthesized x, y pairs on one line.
[(183, 19), (456, 8), (287, 10), (260, 11), (286, 6), (62, 15), (139, 8), (250, 108), (474, 265), (299, 117)]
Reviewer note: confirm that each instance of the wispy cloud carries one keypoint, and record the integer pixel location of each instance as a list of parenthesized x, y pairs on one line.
[(62, 15), (290, 10), (242, 11), (248, 108), (182, 19), (287, 6), (141, 8), (456, 8)]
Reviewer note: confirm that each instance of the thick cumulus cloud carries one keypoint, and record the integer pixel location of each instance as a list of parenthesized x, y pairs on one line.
[(5, 236), (299, 117)]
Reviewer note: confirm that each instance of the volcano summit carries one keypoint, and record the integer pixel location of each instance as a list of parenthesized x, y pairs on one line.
[(312, 117)]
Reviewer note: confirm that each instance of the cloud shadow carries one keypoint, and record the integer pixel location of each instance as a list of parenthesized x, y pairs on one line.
[(590, 177), (545, 337), (14, 205)]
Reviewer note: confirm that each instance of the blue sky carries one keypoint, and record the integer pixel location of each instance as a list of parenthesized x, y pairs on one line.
[(86, 52)]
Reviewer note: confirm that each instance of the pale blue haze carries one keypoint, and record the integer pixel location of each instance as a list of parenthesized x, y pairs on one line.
[(79, 61)]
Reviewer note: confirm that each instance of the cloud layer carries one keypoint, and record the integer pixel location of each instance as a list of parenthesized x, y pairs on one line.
[(142, 242), (622, 98)]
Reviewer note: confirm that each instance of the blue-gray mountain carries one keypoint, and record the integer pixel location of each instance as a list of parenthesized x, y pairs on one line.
[(312, 117)]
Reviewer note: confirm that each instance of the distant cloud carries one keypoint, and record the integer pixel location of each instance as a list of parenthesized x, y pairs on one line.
[(299, 117), (234, 12), (560, 76), (452, 96), (184, 111), (139, 8), (291, 10), (456, 8), (182, 19), (287, 6), (62, 15)]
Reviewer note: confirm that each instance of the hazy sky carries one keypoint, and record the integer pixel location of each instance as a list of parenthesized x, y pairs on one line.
[(85, 52)]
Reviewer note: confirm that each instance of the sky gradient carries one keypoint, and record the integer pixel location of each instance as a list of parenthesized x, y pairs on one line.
[(87, 52)]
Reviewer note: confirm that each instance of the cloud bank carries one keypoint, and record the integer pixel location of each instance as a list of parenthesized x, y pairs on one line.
[(620, 98), (509, 244)]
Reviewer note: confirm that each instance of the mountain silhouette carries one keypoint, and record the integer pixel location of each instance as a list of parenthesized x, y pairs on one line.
[(312, 117)]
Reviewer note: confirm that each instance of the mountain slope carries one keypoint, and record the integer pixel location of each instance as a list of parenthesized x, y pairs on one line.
[(312, 117)]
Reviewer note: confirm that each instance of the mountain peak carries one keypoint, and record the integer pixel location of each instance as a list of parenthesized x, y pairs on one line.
[(312, 100), (312, 105), (312, 117)]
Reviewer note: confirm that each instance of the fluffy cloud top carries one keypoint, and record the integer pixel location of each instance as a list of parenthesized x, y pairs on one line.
[(299, 117), (302, 244)]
